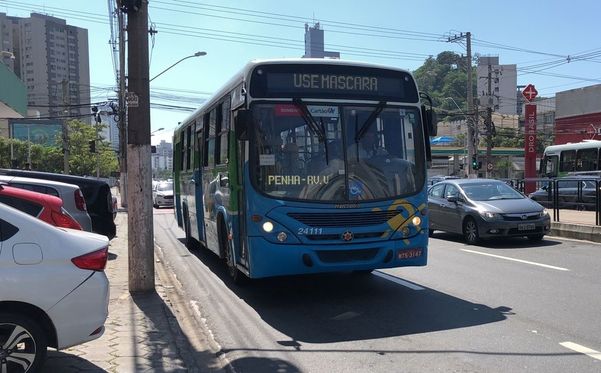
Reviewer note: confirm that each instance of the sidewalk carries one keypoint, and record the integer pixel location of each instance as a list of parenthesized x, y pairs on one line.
[(142, 334), (576, 224)]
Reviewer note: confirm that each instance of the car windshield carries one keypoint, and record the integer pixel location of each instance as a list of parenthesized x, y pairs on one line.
[(162, 187), (489, 191), (337, 152)]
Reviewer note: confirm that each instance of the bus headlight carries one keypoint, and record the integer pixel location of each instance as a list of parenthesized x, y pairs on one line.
[(416, 220), (268, 226)]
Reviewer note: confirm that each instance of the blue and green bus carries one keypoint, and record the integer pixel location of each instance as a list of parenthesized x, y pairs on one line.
[(301, 166)]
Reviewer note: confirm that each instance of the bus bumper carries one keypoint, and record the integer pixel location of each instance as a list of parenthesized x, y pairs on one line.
[(269, 259)]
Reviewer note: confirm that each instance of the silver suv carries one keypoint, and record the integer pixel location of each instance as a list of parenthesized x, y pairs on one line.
[(73, 199)]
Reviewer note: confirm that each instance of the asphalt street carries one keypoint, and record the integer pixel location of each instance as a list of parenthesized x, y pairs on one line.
[(507, 306)]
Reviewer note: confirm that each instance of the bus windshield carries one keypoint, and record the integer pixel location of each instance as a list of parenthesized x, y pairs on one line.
[(336, 152)]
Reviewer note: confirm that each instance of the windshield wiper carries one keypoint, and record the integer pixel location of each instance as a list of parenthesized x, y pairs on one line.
[(370, 120), (313, 126)]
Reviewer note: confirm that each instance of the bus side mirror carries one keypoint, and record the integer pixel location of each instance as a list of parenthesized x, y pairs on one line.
[(241, 124), (431, 121)]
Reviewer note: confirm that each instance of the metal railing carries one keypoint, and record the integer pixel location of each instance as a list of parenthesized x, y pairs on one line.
[(566, 193)]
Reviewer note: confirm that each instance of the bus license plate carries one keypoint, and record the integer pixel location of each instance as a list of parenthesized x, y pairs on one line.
[(526, 227), (408, 254)]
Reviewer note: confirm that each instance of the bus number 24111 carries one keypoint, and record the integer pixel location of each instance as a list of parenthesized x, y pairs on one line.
[(309, 231)]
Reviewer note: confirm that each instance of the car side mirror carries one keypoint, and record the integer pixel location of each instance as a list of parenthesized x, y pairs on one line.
[(453, 199)]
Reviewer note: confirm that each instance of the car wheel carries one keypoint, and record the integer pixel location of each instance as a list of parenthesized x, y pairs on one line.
[(470, 231), (22, 344), (536, 238)]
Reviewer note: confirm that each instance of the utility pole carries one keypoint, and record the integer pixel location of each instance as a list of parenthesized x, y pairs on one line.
[(489, 110), (472, 150), (66, 103), (139, 182), (122, 113)]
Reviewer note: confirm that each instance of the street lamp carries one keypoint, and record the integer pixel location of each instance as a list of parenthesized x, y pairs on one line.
[(197, 54), (451, 98), (155, 131), (7, 54)]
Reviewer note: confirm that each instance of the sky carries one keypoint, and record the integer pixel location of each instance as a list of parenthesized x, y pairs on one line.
[(555, 43)]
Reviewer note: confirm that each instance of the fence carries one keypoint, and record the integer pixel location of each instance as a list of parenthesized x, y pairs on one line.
[(564, 195)]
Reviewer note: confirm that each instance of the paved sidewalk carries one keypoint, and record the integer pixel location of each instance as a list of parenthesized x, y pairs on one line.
[(142, 334)]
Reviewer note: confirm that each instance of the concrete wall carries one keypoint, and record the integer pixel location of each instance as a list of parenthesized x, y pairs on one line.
[(578, 101)]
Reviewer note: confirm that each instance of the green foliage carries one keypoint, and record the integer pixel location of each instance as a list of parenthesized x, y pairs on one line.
[(442, 77), (508, 138), (51, 159)]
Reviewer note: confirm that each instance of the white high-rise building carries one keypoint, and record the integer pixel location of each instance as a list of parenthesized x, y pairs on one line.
[(503, 82), (52, 59), (163, 158)]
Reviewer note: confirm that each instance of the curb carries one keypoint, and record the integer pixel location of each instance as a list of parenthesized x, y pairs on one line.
[(576, 231)]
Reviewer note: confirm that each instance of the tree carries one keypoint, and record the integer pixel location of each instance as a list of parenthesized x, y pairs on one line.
[(51, 159), (81, 160), (443, 77)]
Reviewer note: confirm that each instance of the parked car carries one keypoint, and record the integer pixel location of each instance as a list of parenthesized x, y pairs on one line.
[(42, 206), (574, 192), (54, 292), (485, 208), (97, 195), (73, 199), (162, 194), (437, 179)]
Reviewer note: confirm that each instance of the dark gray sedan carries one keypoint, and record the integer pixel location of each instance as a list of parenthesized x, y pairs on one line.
[(485, 208)]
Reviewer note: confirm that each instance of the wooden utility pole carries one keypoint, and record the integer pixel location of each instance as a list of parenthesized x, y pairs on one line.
[(489, 109), (472, 148), (122, 113), (139, 182)]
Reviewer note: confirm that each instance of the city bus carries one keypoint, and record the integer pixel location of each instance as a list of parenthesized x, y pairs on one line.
[(303, 166), (571, 158)]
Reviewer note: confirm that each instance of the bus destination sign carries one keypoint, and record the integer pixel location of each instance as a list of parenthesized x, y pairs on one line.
[(333, 82)]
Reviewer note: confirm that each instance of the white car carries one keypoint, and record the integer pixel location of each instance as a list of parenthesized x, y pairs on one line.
[(162, 194), (54, 290)]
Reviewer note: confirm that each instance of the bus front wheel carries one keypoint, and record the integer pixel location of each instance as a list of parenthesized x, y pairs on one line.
[(226, 247)]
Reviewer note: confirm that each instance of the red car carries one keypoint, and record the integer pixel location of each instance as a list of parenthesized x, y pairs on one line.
[(43, 206)]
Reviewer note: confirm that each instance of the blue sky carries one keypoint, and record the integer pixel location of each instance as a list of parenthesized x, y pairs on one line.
[(390, 32)]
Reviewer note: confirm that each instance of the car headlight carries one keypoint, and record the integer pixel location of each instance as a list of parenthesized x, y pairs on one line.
[(544, 213), (490, 216)]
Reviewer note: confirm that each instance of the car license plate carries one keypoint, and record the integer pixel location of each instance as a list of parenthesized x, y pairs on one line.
[(526, 227), (408, 254)]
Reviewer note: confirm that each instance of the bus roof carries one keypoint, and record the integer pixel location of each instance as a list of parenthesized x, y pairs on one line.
[(588, 144), (244, 74)]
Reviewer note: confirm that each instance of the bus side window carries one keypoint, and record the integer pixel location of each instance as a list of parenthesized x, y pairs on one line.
[(587, 160), (567, 162), (188, 148), (205, 150)]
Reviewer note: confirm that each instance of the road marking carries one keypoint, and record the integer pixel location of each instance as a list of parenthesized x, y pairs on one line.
[(517, 260), (583, 350), (397, 280)]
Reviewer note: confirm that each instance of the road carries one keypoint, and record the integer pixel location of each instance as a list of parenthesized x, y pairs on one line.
[(502, 307)]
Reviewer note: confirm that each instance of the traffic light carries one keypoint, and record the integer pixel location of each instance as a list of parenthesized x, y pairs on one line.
[(476, 165), (92, 144)]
